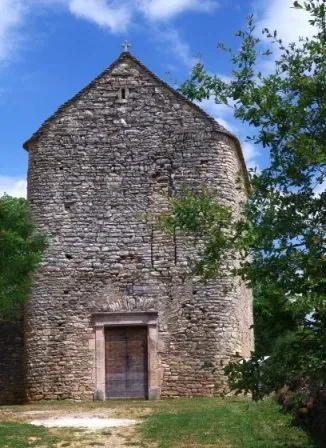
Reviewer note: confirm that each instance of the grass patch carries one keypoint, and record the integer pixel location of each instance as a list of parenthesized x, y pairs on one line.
[(17, 435), (229, 423), (185, 423)]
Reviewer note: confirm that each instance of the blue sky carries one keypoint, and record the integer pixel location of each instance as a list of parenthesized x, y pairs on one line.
[(50, 49)]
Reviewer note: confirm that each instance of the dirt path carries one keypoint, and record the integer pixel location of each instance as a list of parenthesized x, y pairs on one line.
[(111, 425)]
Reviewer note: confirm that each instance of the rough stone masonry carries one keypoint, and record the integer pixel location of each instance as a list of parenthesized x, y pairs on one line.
[(101, 170)]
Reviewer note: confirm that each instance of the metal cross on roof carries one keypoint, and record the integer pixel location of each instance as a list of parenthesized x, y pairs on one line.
[(126, 45)]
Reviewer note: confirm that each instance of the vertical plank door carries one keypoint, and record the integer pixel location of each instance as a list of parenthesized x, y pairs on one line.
[(126, 371)]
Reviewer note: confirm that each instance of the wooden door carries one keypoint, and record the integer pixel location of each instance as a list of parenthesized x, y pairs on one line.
[(126, 371)]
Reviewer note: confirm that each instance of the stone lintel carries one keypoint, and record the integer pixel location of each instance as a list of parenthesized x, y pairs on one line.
[(125, 318)]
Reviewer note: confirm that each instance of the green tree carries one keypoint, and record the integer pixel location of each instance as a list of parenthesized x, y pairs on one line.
[(282, 238), (21, 247)]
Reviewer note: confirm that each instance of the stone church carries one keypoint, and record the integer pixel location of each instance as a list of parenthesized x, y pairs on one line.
[(112, 313)]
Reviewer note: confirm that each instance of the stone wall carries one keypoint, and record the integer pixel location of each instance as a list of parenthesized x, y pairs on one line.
[(11, 363), (100, 172)]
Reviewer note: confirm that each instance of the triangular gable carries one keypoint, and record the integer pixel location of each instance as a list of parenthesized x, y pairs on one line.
[(124, 56)]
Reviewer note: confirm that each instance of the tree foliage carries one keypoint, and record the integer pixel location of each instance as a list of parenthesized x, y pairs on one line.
[(282, 238), (200, 217), (20, 253)]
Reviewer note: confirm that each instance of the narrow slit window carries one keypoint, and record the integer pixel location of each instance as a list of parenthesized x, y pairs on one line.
[(123, 93)]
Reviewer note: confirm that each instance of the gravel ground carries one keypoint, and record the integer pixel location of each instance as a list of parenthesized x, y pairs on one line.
[(111, 425), (83, 422)]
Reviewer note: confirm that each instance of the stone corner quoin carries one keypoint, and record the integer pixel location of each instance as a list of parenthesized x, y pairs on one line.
[(111, 311)]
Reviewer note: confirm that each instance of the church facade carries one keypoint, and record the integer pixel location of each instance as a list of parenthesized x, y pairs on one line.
[(112, 313)]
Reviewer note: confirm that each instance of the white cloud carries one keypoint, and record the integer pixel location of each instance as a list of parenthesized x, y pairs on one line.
[(12, 14), (290, 23), (14, 186), (279, 15), (177, 46), (114, 15), (250, 153), (214, 109), (104, 14), (165, 9)]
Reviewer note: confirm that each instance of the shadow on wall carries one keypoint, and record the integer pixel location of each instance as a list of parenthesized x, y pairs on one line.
[(11, 362)]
